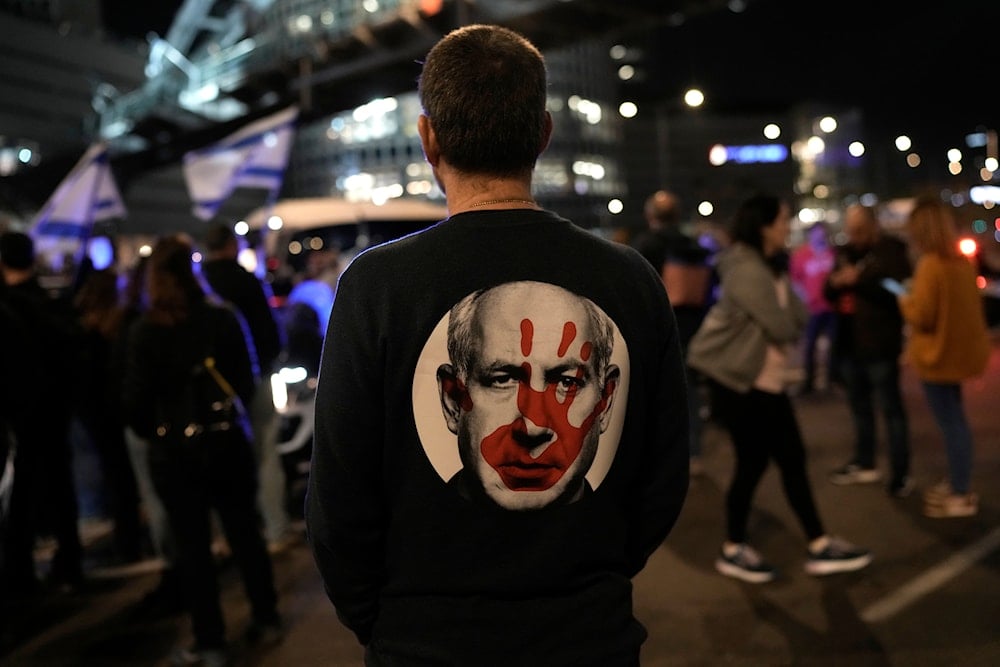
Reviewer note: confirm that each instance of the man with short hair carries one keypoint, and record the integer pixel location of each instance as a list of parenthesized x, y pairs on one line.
[(867, 346), (247, 293), (687, 272), (532, 567)]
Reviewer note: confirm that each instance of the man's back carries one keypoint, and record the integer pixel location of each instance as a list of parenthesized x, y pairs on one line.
[(456, 572), (683, 265), (528, 358), (244, 290)]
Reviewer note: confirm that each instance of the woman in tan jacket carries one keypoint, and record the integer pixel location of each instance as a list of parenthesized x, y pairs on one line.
[(948, 343)]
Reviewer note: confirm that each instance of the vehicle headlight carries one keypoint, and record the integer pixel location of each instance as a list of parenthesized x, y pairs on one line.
[(280, 381)]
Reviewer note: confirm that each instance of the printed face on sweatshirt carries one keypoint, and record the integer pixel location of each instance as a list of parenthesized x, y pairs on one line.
[(528, 390)]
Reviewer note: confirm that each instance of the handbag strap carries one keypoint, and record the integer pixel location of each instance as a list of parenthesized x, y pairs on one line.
[(218, 377), (208, 336)]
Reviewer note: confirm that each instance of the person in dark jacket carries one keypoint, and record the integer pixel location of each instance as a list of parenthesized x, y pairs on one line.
[(181, 327), (249, 295), (868, 344), (687, 273), (421, 573), (44, 495), (14, 340)]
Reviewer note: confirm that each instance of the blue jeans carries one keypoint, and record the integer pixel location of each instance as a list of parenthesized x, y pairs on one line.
[(270, 474), (156, 514), (945, 401), (818, 324), (867, 382)]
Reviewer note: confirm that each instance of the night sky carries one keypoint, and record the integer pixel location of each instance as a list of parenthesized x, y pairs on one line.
[(136, 18), (910, 67)]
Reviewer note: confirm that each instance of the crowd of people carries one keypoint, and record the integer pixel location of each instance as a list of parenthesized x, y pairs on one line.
[(115, 355), (546, 414), (868, 311)]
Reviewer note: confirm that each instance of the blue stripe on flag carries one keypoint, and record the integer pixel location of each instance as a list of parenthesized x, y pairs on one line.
[(210, 204), (62, 228), (263, 171)]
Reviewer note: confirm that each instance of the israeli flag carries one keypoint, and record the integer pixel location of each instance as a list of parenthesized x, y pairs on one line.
[(254, 157), (86, 195)]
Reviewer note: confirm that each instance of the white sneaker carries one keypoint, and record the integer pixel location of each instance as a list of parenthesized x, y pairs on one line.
[(839, 555), (746, 564), (852, 473)]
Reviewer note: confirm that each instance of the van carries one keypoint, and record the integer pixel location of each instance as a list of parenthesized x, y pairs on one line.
[(307, 242), (294, 229)]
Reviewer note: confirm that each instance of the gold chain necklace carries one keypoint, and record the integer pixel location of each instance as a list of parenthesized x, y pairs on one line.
[(504, 201)]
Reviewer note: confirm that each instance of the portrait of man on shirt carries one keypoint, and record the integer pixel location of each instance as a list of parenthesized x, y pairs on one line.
[(528, 390)]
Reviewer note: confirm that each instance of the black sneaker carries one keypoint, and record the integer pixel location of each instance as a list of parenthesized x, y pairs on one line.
[(746, 564), (852, 473), (838, 556)]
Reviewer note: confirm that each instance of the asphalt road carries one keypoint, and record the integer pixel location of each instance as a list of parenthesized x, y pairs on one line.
[(931, 597)]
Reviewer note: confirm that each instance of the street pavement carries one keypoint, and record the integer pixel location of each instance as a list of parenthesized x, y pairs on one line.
[(931, 597)]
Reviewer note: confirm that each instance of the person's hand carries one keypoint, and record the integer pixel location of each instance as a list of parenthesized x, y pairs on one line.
[(845, 275)]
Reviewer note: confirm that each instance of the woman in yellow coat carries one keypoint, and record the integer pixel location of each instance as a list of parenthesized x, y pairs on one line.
[(948, 343)]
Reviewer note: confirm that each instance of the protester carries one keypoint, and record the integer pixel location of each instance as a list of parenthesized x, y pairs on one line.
[(44, 495), (533, 567), (948, 344), (249, 295), (167, 595), (179, 331), (684, 266), (97, 403), (867, 346), (811, 263), (14, 340), (744, 348)]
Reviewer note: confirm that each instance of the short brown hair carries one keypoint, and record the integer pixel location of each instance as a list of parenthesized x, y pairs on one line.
[(483, 89)]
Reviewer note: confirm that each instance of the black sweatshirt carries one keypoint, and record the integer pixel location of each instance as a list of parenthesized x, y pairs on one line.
[(426, 572)]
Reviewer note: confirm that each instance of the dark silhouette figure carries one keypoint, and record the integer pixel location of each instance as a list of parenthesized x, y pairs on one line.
[(44, 499)]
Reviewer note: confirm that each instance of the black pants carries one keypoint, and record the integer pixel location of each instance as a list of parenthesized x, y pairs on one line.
[(43, 502), (763, 427), (191, 481)]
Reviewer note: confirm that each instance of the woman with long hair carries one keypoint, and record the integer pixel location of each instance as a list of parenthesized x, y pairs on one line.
[(184, 329), (948, 343), (744, 348), (98, 404)]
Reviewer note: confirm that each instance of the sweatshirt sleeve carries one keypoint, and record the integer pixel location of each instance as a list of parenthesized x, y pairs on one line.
[(345, 515), (662, 482), (920, 305), (751, 287), (664, 477)]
